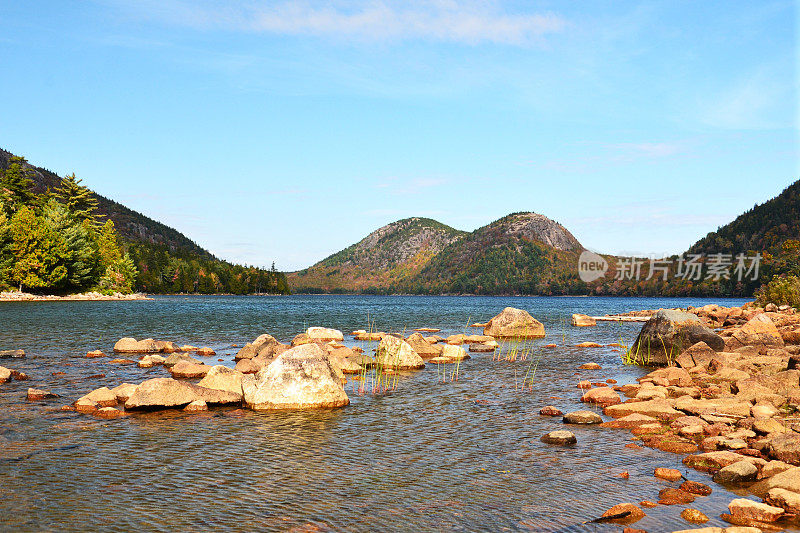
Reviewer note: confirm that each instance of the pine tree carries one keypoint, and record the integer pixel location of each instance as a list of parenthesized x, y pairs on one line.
[(78, 199), (75, 246), (16, 186), (119, 271)]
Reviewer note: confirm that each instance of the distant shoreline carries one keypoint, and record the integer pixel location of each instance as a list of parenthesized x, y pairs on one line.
[(83, 297)]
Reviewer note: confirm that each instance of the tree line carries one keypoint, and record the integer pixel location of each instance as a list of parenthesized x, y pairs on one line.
[(57, 242)]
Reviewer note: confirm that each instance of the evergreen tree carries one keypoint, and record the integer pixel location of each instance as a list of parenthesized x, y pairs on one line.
[(75, 246), (16, 186), (78, 199)]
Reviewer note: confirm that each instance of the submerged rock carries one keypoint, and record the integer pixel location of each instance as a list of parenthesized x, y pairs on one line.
[(397, 354), (300, 378), (668, 333), (624, 513), (16, 354), (514, 323)]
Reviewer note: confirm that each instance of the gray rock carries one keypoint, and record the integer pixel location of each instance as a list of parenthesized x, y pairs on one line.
[(561, 437), (160, 393), (299, 378), (668, 333), (739, 472), (582, 417)]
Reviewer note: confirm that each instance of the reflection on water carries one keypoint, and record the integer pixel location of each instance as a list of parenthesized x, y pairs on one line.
[(427, 456)]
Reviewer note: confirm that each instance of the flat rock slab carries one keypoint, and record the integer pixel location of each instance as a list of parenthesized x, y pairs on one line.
[(582, 417), (561, 437)]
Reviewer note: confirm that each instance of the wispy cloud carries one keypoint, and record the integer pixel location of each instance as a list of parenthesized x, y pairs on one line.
[(611, 154), (756, 101), (466, 22)]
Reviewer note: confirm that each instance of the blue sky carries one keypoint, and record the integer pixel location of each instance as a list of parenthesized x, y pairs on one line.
[(286, 131)]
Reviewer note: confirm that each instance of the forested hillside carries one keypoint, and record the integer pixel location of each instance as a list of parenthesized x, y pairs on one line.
[(157, 258)]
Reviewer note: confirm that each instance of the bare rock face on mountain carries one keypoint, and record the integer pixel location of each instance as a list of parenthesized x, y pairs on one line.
[(299, 378), (514, 323), (536, 227)]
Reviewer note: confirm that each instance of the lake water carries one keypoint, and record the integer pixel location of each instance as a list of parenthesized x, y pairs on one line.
[(427, 456)]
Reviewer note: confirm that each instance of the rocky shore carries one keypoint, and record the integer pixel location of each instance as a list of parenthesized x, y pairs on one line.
[(727, 398), (14, 296)]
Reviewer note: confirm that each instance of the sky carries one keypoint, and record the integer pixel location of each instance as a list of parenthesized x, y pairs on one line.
[(286, 131)]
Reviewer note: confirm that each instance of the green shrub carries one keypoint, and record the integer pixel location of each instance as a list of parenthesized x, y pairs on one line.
[(779, 291)]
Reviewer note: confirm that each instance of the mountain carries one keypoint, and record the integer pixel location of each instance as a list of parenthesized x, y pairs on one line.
[(522, 253), (388, 256), (763, 227), (167, 261)]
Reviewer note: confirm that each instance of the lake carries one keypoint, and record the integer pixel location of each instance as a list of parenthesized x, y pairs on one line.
[(461, 455)]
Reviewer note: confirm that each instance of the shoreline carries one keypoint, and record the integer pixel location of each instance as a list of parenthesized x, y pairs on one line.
[(82, 297)]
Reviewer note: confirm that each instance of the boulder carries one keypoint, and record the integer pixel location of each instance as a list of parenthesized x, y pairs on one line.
[(16, 354), (698, 354), (102, 397), (694, 516), (787, 500), (744, 509), (601, 395), (318, 334), (785, 447), (561, 437), (788, 479), (758, 331), (669, 333), (514, 323), (159, 393), (454, 353), (196, 406), (345, 359), (739, 472), (94, 354), (550, 410), (424, 349), (131, 345), (187, 369), (5, 374), (579, 320), (654, 408), (397, 354), (176, 358), (149, 361), (166, 347), (40, 394), (582, 417), (248, 351), (205, 351), (249, 366), (124, 391), (221, 377), (624, 513), (299, 378), (669, 474)]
